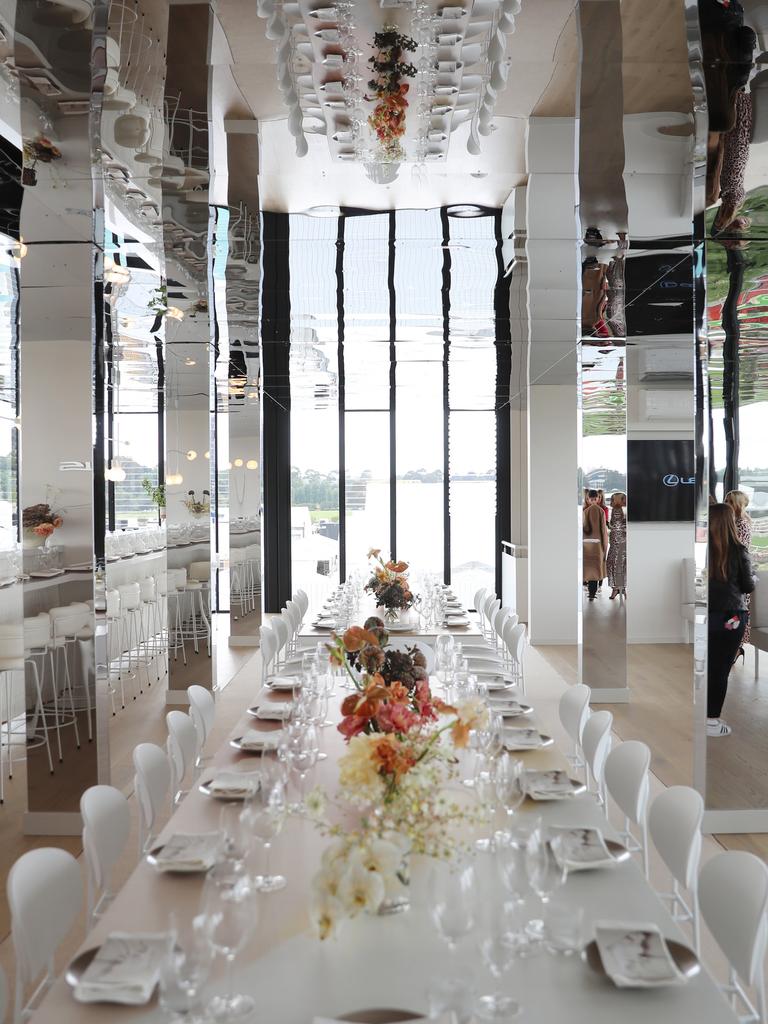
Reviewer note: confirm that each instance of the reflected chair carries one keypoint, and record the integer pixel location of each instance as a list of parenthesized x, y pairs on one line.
[(15, 655), (515, 640), (733, 898), (674, 825), (151, 621), (152, 781), (106, 827), (132, 614), (176, 583), (196, 623), (239, 586), (574, 712), (45, 894), (70, 624), (596, 744), (627, 780)]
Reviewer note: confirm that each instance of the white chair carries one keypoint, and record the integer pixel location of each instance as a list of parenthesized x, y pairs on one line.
[(502, 616), (627, 779), (268, 646), (574, 712), (239, 581), (202, 711), (479, 598), (490, 607), (674, 825), (426, 650), (281, 629), (45, 894), (176, 583), (14, 657), (183, 751), (302, 600), (596, 744), (152, 782), (733, 897), (153, 633), (106, 827), (69, 625), (515, 640)]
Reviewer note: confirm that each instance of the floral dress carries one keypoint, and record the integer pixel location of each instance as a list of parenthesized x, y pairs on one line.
[(617, 552), (744, 533)]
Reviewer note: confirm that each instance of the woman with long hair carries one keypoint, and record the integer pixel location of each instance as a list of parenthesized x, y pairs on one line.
[(738, 501), (616, 563), (730, 580), (595, 543)]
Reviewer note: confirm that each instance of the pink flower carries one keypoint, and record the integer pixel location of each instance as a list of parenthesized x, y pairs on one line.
[(396, 718), (423, 699), (352, 725)]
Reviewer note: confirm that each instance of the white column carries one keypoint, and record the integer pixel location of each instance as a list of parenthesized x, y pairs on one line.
[(554, 534)]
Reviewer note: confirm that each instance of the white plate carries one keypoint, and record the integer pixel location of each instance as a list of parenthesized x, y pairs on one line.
[(510, 743), (400, 627)]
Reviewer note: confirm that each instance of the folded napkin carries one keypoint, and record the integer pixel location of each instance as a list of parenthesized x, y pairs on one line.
[(579, 849), (283, 682), (235, 783), (125, 969), (522, 739), (452, 12), (273, 711), (189, 852), (508, 708), (636, 955), (551, 785), (254, 739)]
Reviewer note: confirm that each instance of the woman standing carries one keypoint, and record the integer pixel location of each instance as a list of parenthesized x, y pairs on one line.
[(738, 501), (595, 543), (617, 553), (730, 579)]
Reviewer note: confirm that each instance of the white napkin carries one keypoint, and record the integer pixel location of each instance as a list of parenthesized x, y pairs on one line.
[(522, 739), (273, 711), (189, 852), (234, 783), (579, 849), (453, 12), (254, 739), (507, 707), (125, 969), (636, 955), (284, 682), (551, 785)]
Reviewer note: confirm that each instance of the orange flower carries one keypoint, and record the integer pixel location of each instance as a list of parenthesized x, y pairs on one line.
[(356, 638), (374, 552), (392, 758), (58, 521), (397, 566), (44, 529), (398, 694)]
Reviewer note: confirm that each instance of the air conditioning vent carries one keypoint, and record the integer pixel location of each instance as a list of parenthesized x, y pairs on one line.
[(666, 364)]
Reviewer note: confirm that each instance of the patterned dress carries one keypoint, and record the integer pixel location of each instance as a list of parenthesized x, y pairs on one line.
[(744, 533), (617, 552)]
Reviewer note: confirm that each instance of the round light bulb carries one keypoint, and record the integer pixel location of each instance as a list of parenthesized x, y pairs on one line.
[(191, 454), (238, 463), (174, 479), (251, 464), (207, 455)]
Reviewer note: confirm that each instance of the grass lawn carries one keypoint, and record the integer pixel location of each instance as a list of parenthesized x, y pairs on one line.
[(316, 514)]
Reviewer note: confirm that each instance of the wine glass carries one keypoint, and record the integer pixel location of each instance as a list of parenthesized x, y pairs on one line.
[(234, 833), (498, 955), (266, 816), (230, 911), (185, 970), (510, 855), (453, 901), (303, 746), (546, 873), (509, 780)]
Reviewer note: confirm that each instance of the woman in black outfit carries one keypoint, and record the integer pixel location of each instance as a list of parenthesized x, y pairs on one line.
[(730, 578)]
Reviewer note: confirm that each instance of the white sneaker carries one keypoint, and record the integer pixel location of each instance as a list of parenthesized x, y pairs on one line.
[(717, 727)]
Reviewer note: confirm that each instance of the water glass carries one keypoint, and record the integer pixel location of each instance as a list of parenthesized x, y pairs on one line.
[(498, 955), (453, 901), (265, 816), (185, 970), (230, 912), (546, 873), (565, 930)]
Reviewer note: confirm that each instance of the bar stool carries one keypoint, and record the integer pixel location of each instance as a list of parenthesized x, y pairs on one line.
[(238, 580), (13, 660), (253, 561), (198, 627), (176, 584), (150, 619), (133, 625), (37, 644), (69, 624)]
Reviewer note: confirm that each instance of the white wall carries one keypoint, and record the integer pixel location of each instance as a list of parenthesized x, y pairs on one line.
[(654, 558)]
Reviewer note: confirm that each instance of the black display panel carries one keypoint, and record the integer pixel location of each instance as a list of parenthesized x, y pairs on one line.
[(660, 481)]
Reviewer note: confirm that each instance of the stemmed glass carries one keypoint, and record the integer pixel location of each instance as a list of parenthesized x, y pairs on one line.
[(510, 854), (303, 746), (230, 911), (498, 955), (453, 901), (546, 873), (185, 969), (265, 816), (509, 783), (234, 834)]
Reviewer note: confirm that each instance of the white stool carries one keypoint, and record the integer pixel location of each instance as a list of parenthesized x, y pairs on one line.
[(152, 622), (133, 626), (69, 624), (176, 584)]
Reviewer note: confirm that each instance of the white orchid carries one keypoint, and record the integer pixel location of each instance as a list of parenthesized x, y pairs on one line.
[(325, 912), (360, 888), (382, 856), (315, 804)]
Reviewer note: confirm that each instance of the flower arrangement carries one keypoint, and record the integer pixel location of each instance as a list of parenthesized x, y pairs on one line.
[(389, 583), (198, 508), (38, 150), (156, 494), (41, 520), (387, 86), (398, 774)]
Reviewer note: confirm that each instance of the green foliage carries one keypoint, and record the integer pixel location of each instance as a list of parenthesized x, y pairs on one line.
[(156, 492)]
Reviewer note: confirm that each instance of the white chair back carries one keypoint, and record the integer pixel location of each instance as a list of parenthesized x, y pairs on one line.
[(574, 711), (502, 616), (733, 896), (674, 825), (492, 605), (426, 650), (281, 629), (268, 644), (45, 894), (596, 744), (301, 598), (479, 598), (627, 779), (202, 711), (106, 826), (152, 782), (183, 750)]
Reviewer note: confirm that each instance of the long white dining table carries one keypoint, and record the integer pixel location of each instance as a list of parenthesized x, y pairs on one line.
[(391, 961)]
